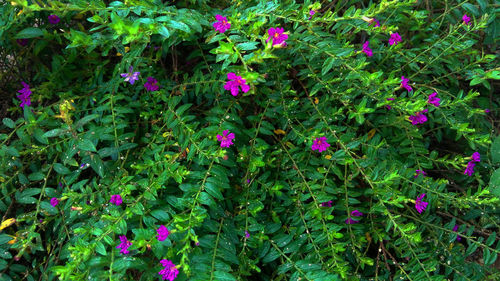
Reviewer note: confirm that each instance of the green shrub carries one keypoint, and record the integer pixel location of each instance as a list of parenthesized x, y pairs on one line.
[(327, 177)]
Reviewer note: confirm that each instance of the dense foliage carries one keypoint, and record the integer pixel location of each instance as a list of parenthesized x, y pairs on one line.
[(249, 140)]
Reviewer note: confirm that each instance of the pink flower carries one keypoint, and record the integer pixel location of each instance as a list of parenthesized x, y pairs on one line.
[(169, 271), (327, 204), (455, 228), (434, 100), (466, 19), (131, 76), (486, 111), (374, 20), (25, 95), (162, 233), (124, 245), (418, 172), (53, 19), (418, 118), (151, 85), (404, 84), (395, 38), (356, 213), (235, 82), (476, 157), (469, 170), (367, 49), (54, 201), (247, 235), (277, 35), (311, 13), (419, 204), (221, 24), (116, 199), (226, 139), (320, 144)]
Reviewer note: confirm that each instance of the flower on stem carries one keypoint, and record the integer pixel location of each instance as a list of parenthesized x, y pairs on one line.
[(434, 100), (54, 201), (235, 82), (418, 118), (486, 111), (418, 172), (226, 139), (131, 76), (53, 19), (221, 24), (356, 213), (311, 13), (419, 204), (469, 170), (466, 19), (455, 228), (169, 271), (320, 144), (23, 42), (395, 38), (476, 157), (367, 49), (374, 20), (327, 204), (124, 245), (404, 84), (116, 199), (25, 95), (162, 233), (247, 235), (277, 35), (151, 85)]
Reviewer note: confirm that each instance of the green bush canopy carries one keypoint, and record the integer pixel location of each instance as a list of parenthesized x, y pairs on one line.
[(249, 140)]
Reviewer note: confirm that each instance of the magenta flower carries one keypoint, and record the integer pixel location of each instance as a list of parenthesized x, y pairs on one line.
[(388, 106), (169, 271), (53, 19), (395, 38), (374, 20), (455, 228), (151, 85), (22, 42), (419, 204), (54, 201), (367, 49), (25, 95), (466, 19), (350, 221), (356, 213), (327, 204), (116, 199), (486, 111), (311, 13), (235, 82), (419, 172), (320, 144), (124, 245), (162, 233), (226, 139), (434, 100), (404, 84), (131, 76), (221, 24), (277, 35), (419, 117), (469, 170), (476, 157), (247, 235)]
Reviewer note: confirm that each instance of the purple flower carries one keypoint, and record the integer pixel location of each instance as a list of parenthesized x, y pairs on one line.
[(131, 76), (367, 49), (311, 13), (327, 204), (169, 271), (395, 38), (374, 20), (221, 24), (277, 35), (22, 42), (419, 204), (419, 117), (390, 99), (466, 19), (226, 139), (476, 157), (116, 199), (350, 221), (124, 245), (235, 82), (455, 228), (53, 19), (162, 233), (151, 85), (433, 99), (356, 213), (470, 168), (486, 111), (418, 172), (247, 235), (388, 107), (320, 144), (25, 95), (404, 84), (54, 202), (248, 180)]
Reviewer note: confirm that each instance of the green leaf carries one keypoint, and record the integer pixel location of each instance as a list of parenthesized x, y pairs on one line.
[(9, 123), (163, 31), (495, 150), (495, 183), (223, 276), (247, 46), (213, 190), (178, 25), (53, 133), (100, 248), (60, 169), (97, 164), (29, 32), (161, 215), (86, 145)]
